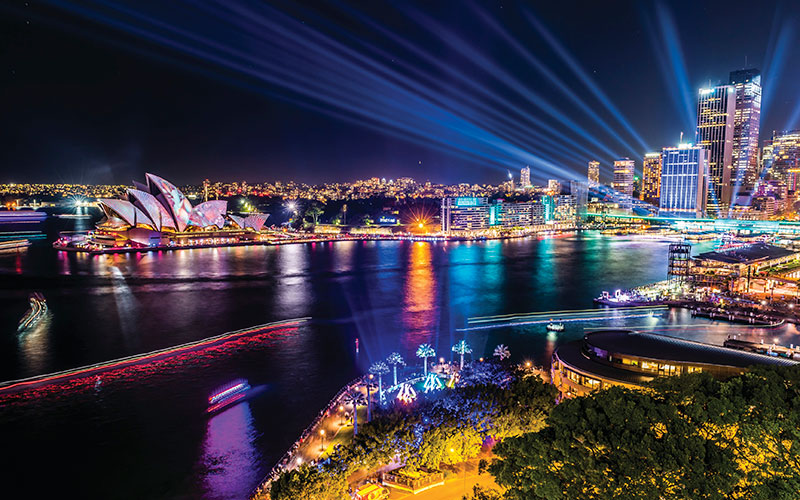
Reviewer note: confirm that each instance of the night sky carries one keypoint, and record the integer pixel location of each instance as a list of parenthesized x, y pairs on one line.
[(444, 91)]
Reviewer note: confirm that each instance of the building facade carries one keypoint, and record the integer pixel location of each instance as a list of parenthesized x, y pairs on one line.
[(594, 174), (579, 192), (465, 213), (746, 124), (784, 158), (715, 125), (633, 359), (623, 181), (525, 178), (651, 183), (684, 175)]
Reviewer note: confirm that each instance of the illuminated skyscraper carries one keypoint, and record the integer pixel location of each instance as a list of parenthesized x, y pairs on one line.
[(683, 181), (651, 185), (715, 117), (525, 178), (623, 181), (553, 186), (747, 118), (594, 173), (784, 158)]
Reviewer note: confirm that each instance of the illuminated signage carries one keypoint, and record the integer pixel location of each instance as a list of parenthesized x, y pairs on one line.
[(467, 202), (388, 220)]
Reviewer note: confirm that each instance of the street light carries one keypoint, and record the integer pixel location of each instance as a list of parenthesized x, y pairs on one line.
[(322, 433)]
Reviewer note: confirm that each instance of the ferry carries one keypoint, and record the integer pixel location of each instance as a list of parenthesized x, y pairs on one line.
[(228, 395), (13, 245), (555, 327), (38, 306)]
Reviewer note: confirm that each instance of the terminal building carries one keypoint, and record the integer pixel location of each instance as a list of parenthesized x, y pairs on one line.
[(720, 270), (633, 359)]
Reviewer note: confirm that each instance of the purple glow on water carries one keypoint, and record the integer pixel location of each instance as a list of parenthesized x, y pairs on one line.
[(229, 453)]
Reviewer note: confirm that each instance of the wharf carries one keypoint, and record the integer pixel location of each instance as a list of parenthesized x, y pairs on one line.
[(735, 316), (762, 348)]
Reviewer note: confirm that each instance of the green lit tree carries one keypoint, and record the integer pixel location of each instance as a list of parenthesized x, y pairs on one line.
[(380, 369), (425, 351), (461, 347), (395, 359)]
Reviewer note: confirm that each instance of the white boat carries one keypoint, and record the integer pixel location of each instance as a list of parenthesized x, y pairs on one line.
[(555, 327)]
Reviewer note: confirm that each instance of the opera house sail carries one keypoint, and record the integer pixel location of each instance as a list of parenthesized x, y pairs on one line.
[(157, 214)]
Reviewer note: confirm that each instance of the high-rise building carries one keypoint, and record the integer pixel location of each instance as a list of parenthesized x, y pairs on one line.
[(465, 213), (784, 155), (623, 181), (651, 185), (580, 197), (684, 174), (594, 173), (553, 186), (525, 178), (746, 124), (715, 119)]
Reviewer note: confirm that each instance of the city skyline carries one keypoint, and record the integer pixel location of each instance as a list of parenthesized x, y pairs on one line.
[(142, 107)]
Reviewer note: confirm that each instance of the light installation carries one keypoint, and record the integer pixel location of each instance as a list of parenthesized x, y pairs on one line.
[(406, 394), (263, 48), (433, 383)]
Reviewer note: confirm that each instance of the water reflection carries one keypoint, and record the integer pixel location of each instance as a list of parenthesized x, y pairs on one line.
[(229, 453), (420, 313), (34, 344)]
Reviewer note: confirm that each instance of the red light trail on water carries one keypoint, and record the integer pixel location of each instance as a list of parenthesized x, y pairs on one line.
[(156, 360)]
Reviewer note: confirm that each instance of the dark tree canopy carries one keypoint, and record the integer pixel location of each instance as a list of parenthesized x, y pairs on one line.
[(689, 437)]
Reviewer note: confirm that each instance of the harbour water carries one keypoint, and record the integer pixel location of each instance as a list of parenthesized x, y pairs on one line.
[(145, 433)]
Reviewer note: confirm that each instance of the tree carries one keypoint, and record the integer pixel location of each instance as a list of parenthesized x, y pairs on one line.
[(380, 369), (684, 437), (461, 347), (308, 482), (481, 493), (616, 443), (395, 359), (425, 351), (355, 398), (314, 211), (502, 352)]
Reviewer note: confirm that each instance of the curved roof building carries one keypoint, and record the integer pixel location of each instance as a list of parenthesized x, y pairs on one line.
[(160, 206), (632, 359)]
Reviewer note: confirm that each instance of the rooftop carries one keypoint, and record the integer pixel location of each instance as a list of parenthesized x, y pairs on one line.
[(663, 347), (747, 255)]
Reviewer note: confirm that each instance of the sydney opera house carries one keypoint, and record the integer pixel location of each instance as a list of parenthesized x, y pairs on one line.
[(156, 213)]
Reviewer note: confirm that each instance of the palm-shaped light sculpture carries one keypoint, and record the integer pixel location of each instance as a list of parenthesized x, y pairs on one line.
[(462, 348), (380, 369), (425, 351), (395, 359), (502, 352), (355, 398)]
